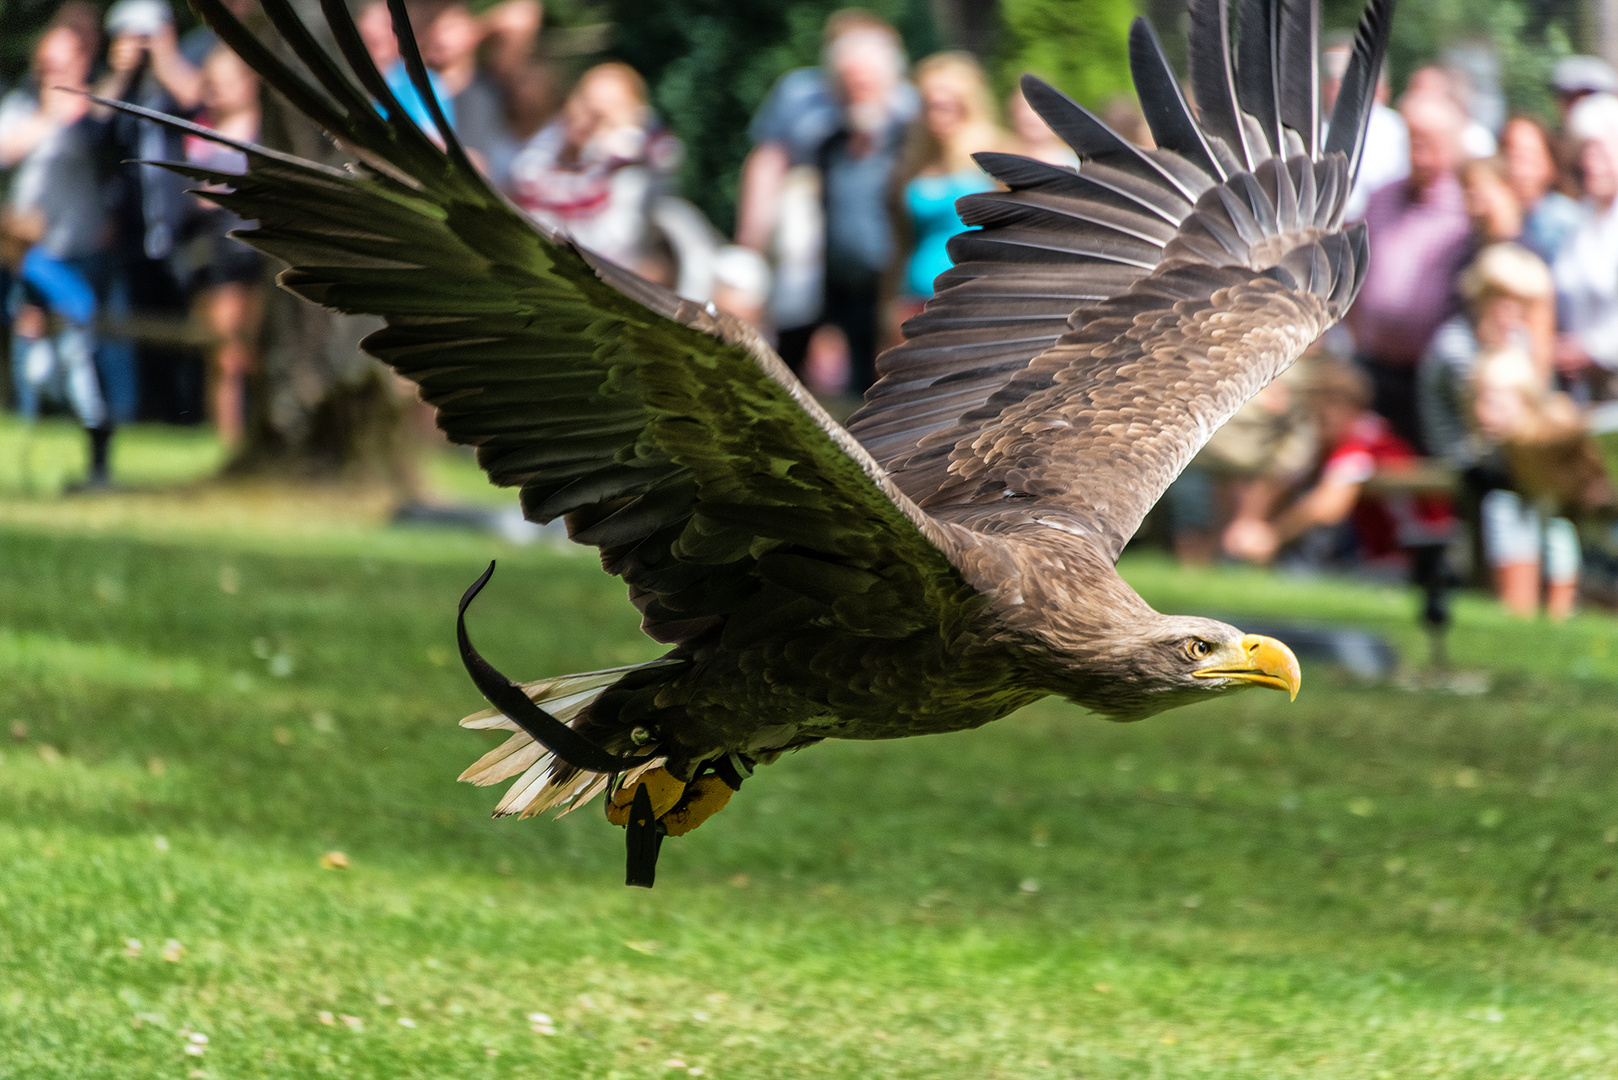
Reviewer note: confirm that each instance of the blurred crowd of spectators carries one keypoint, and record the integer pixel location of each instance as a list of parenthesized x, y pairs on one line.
[(100, 256), (1486, 330), (1453, 409)]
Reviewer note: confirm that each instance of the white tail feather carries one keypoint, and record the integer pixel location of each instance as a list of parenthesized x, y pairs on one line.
[(505, 761), (535, 790)]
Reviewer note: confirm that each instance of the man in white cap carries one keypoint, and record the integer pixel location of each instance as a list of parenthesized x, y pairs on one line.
[(1577, 77), (146, 67)]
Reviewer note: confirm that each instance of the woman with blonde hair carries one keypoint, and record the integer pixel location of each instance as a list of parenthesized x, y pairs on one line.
[(957, 120)]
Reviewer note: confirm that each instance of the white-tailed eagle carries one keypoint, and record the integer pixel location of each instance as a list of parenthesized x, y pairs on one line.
[(945, 558)]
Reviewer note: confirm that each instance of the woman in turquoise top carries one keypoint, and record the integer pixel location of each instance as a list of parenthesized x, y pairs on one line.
[(930, 203), (957, 121)]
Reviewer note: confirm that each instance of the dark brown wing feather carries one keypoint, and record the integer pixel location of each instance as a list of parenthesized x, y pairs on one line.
[(1082, 440), (669, 437), (1086, 437), (1000, 399)]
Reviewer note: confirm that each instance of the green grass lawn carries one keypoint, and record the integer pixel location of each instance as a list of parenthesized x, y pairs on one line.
[(214, 688)]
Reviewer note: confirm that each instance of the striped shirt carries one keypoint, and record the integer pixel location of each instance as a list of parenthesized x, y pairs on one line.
[(1417, 251)]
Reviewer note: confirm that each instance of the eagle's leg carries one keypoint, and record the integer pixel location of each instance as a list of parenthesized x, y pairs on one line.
[(643, 840), (704, 797), (660, 805), (663, 791), (679, 807), (646, 827)]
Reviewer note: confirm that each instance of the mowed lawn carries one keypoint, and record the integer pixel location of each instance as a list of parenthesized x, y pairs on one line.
[(208, 690)]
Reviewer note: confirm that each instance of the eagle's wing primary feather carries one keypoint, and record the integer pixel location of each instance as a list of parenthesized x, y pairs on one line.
[(1358, 91), (1056, 242), (1297, 58), (668, 436), (1196, 271)]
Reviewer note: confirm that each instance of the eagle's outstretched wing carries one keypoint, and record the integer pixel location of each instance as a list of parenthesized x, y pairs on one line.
[(668, 435), (1098, 326)]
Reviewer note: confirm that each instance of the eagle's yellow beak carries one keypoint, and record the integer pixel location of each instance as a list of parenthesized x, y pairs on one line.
[(1262, 661)]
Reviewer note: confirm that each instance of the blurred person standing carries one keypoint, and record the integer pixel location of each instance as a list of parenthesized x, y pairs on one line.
[(511, 57), (55, 227), (857, 165), (1509, 303), (1549, 215), (375, 24), (1576, 77), (848, 120), (478, 90), (146, 66), (227, 276), (1422, 231), (1498, 224), (801, 112), (1586, 268), (1386, 158), (1555, 469), (595, 171), (957, 120)]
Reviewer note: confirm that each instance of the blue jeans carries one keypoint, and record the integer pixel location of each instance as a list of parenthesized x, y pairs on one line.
[(116, 360), (67, 357)]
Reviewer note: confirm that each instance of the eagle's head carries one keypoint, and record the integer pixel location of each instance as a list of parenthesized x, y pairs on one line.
[(1171, 661)]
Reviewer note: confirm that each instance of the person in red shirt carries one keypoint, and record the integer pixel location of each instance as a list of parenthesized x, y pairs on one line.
[(1335, 515)]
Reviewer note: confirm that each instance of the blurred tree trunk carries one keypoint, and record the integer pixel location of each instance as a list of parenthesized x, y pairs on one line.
[(318, 407)]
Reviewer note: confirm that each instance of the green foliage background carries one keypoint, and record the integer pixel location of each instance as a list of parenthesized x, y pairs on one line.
[(1078, 46), (1528, 36)]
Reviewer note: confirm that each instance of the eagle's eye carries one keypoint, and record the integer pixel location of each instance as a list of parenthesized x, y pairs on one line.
[(1197, 649)]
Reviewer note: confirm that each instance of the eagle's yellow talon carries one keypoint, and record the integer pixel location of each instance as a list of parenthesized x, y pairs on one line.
[(707, 797), (696, 802), (661, 785)]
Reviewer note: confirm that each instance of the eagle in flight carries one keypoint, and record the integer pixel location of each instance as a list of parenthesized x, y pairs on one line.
[(945, 558)]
